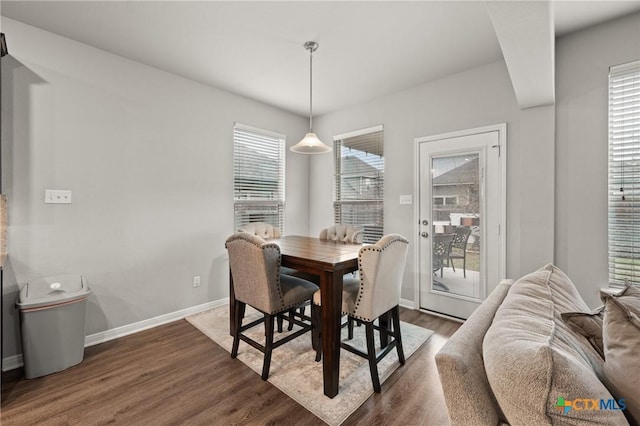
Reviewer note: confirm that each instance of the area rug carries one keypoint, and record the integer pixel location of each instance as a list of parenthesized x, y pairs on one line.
[(295, 372)]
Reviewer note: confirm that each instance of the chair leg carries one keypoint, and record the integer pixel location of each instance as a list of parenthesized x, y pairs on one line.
[(349, 328), (239, 314), (268, 347), (235, 322), (453, 266), (292, 313), (243, 308), (395, 313), (316, 336), (371, 352), (464, 265), (280, 321)]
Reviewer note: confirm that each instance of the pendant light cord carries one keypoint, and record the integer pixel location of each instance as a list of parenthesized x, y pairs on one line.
[(310, 144), (311, 90)]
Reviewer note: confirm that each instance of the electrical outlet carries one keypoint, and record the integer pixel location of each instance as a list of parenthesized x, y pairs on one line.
[(196, 281), (57, 196)]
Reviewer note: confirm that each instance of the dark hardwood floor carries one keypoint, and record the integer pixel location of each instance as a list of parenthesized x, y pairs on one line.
[(173, 374)]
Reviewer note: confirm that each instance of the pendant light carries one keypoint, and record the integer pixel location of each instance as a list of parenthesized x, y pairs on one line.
[(310, 144)]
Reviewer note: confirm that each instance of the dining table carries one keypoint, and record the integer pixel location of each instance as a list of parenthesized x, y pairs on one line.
[(329, 260)]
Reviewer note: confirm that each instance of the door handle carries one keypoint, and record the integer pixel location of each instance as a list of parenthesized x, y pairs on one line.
[(425, 222), (424, 235)]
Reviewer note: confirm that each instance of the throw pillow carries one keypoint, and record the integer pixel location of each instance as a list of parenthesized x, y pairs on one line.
[(621, 337), (589, 325)]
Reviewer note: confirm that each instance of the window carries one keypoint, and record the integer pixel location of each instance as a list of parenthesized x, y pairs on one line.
[(445, 201), (624, 174), (258, 176), (359, 181)]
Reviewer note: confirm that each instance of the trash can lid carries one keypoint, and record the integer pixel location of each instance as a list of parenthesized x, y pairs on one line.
[(51, 291)]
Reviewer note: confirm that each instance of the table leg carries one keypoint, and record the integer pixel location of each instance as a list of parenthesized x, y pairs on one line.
[(331, 294)]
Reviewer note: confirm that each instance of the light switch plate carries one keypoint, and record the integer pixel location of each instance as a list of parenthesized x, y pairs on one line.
[(57, 196), (406, 199)]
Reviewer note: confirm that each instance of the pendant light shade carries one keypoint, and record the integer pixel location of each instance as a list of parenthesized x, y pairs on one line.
[(310, 144)]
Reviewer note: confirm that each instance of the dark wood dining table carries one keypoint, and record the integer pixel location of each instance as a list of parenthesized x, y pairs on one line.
[(329, 260)]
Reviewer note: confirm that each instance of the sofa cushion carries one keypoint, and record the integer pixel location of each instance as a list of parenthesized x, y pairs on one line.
[(621, 335), (535, 364), (588, 325)]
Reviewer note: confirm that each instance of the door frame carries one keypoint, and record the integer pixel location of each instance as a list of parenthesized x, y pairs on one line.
[(501, 128)]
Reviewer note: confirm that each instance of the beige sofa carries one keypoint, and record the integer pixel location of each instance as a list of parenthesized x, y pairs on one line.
[(517, 361)]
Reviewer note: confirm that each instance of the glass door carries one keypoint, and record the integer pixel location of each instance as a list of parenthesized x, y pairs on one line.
[(461, 210), (456, 224)]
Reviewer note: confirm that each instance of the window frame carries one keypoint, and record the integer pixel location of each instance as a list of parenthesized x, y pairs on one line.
[(360, 206), (256, 205), (623, 203)]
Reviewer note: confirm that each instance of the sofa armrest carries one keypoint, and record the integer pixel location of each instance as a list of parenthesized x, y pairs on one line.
[(464, 382)]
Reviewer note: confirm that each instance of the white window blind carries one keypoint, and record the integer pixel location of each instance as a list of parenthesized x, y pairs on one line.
[(359, 181), (624, 174), (258, 176)]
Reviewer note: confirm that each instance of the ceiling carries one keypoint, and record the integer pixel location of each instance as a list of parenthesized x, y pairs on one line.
[(367, 49)]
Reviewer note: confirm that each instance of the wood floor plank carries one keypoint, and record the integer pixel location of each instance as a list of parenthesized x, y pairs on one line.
[(173, 374)]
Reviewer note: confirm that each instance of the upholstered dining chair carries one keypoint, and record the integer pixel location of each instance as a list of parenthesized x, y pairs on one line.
[(458, 248), (257, 282), (340, 232), (375, 294), (268, 231), (261, 229), (344, 233)]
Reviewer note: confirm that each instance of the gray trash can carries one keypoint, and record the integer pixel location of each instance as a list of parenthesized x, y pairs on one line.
[(52, 322)]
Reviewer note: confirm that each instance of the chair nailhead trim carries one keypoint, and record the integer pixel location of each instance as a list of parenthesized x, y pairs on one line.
[(361, 288)]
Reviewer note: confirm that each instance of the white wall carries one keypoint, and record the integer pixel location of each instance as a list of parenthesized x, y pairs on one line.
[(148, 156), (478, 97), (582, 65), (534, 206)]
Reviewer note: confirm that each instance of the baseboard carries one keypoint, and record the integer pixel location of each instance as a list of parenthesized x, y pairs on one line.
[(15, 361), (441, 315), (125, 330), (12, 362), (409, 304)]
